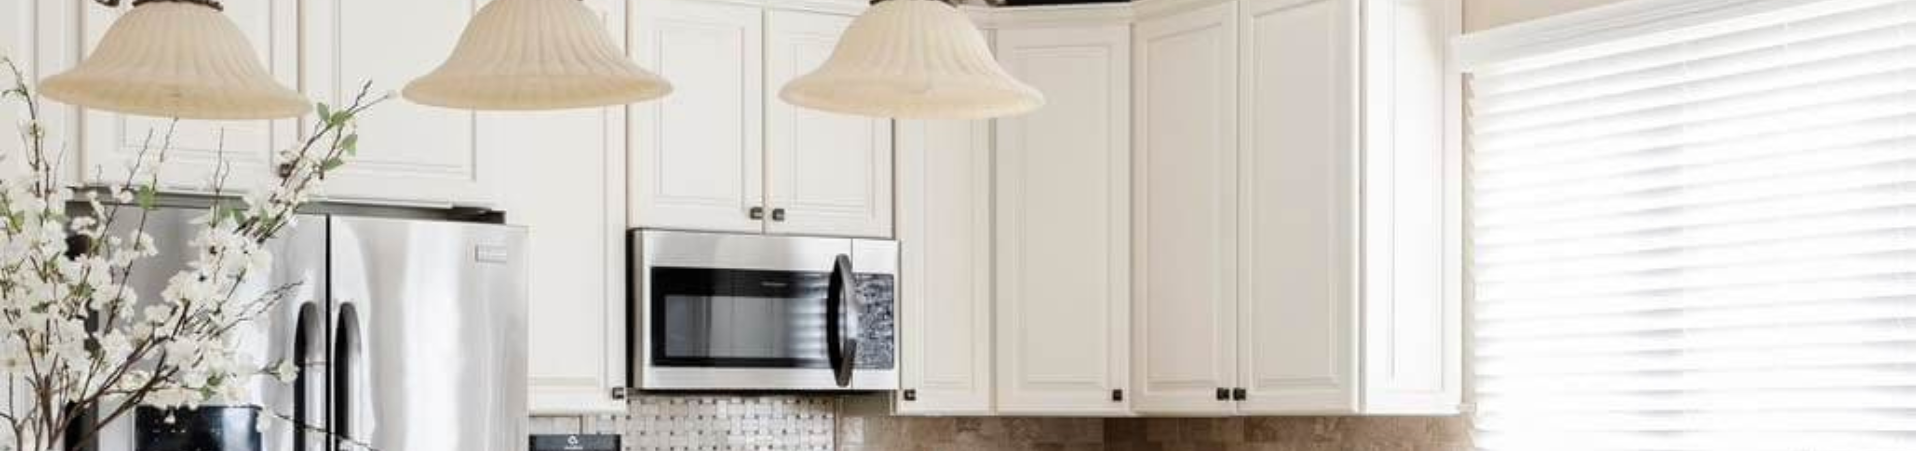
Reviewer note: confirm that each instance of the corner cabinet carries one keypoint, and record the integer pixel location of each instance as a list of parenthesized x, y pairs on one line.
[(1063, 184), (1297, 233), (569, 192), (723, 153)]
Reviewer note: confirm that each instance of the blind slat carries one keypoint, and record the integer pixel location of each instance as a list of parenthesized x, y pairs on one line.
[(1702, 240)]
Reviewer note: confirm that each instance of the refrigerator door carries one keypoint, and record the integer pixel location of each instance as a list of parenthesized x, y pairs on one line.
[(299, 262), (429, 335)]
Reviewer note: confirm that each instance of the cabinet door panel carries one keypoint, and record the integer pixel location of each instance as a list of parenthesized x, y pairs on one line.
[(831, 173), (698, 152), (571, 196), (1185, 313), (41, 38), (945, 232), (1063, 235), (408, 152), (1298, 208), (198, 148)]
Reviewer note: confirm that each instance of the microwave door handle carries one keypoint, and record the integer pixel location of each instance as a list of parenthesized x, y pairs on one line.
[(841, 348)]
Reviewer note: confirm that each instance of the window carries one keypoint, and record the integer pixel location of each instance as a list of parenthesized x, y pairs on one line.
[(1694, 228)]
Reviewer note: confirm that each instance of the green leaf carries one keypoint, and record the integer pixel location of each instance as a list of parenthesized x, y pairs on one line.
[(341, 117), (325, 111), (331, 163), (350, 144), (147, 197)]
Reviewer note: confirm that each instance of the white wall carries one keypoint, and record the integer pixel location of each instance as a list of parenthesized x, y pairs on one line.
[(1485, 14)]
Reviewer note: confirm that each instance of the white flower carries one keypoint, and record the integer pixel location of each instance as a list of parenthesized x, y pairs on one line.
[(285, 371)]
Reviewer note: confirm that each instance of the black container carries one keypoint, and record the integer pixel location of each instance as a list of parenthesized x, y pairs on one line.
[(208, 428)]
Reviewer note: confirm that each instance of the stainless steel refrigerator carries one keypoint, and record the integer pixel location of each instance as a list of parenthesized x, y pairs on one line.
[(408, 335)]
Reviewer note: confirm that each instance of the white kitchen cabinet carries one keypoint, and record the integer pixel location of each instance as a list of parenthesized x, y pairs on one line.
[(1322, 225), (409, 153), (569, 192), (197, 149), (699, 153), (944, 231), (41, 38), (828, 173), (1185, 317), (1299, 275), (1350, 208), (723, 153), (1063, 225)]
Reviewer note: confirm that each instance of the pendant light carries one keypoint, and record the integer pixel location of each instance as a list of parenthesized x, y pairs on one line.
[(536, 55), (175, 58), (913, 59)]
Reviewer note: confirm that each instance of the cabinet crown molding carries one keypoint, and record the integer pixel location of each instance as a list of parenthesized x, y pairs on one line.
[(1081, 15)]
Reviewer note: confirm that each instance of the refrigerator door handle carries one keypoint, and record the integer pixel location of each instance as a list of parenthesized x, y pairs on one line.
[(308, 357), (841, 347), (345, 365)]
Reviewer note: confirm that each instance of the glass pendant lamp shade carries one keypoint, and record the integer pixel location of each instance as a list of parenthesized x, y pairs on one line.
[(913, 59), (176, 59), (536, 55)]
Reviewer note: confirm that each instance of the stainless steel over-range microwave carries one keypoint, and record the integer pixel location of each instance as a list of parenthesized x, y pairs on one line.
[(752, 312)]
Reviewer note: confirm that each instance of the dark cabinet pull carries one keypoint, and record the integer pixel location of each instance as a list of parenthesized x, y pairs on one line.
[(756, 213), (1117, 396), (778, 214), (911, 395), (1240, 394), (1223, 394)]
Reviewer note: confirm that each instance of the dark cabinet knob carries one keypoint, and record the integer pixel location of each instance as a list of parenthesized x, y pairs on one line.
[(1223, 394), (1117, 396), (911, 395), (756, 213), (778, 214), (1240, 394)]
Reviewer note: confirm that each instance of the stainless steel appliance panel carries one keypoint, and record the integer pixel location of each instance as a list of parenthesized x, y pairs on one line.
[(429, 346), (293, 329)]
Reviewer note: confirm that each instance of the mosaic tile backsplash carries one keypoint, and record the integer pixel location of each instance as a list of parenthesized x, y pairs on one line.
[(812, 423)]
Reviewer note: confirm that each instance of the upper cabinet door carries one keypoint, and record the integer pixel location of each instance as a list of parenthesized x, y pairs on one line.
[(197, 148), (1184, 318), (1063, 225), (698, 153), (408, 152), (41, 38), (944, 230), (831, 174), (1299, 215)]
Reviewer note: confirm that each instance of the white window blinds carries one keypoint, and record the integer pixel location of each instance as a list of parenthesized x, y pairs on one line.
[(1702, 238)]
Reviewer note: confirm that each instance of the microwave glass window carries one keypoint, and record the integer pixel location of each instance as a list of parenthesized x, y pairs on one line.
[(744, 327), (728, 318)]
